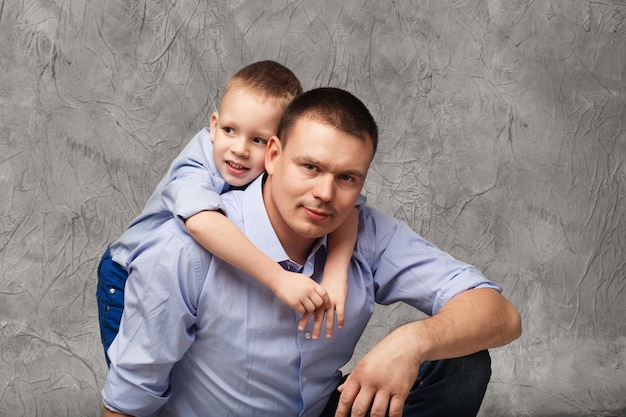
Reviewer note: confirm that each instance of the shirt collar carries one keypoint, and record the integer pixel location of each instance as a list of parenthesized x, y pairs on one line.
[(258, 227)]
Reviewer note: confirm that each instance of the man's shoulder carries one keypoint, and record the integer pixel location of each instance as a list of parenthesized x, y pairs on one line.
[(370, 217), (169, 235), (378, 230)]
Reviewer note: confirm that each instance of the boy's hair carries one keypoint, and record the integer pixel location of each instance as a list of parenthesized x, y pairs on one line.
[(272, 81), (333, 107)]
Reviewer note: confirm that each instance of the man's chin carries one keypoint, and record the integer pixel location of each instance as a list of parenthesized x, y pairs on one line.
[(315, 231)]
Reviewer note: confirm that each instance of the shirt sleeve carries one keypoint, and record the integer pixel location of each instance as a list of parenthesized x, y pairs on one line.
[(166, 275), (193, 184), (408, 268)]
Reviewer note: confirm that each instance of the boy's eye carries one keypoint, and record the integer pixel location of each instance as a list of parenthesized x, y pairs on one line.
[(260, 140), (229, 130)]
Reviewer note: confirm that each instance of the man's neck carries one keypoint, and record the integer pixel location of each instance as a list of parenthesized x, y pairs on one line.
[(297, 248)]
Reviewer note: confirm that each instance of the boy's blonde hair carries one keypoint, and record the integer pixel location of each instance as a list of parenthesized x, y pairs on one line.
[(272, 81)]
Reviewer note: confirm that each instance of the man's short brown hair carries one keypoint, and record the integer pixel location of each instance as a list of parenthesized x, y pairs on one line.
[(333, 107)]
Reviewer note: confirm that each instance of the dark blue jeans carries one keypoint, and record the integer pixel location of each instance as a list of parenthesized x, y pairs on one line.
[(451, 387), (110, 295)]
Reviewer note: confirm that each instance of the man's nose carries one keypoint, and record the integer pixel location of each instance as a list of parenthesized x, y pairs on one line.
[(325, 188)]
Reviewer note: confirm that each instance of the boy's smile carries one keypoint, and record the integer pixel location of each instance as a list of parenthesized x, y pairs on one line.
[(239, 132)]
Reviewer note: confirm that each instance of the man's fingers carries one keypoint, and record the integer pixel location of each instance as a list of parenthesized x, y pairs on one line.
[(360, 404), (380, 405), (396, 406), (349, 391)]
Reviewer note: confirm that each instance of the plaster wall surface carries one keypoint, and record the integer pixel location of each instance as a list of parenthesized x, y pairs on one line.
[(502, 141)]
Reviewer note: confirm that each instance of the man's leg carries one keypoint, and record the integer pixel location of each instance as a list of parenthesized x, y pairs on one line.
[(451, 387)]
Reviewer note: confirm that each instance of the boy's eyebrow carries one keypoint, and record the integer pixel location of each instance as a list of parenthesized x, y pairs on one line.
[(313, 161)]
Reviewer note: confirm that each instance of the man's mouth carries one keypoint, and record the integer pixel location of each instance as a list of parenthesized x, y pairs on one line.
[(316, 214)]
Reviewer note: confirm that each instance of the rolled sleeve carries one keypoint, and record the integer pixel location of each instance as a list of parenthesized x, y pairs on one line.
[(409, 268), (190, 191), (193, 183), (166, 274), (137, 402)]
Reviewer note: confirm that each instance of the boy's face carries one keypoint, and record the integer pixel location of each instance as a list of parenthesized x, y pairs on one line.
[(315, 180), (240, 132)]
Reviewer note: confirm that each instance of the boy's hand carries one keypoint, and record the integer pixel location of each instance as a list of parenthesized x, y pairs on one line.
[(300, 292), (338, 291), (318, 315)]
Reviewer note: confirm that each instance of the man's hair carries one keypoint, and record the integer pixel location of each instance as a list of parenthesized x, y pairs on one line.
[(333, 107), (269, 80)]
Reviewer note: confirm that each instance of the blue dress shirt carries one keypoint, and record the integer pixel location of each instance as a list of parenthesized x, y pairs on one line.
[(201, 338), (191, 185)]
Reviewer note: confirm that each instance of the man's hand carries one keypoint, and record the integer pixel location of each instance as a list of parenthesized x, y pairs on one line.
[(382, 379), (472, 321)]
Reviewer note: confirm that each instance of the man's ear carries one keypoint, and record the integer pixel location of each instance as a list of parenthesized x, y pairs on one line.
[(213, 125), (272, 152)]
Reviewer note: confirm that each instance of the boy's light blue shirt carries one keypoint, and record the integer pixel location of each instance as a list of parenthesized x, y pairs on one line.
[(201, 338), (191, 185)]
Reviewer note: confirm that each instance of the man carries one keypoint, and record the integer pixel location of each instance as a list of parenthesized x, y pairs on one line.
[(200, 337)]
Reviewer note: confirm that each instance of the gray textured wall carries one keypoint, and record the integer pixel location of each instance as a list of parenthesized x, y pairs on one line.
[(503, 141)]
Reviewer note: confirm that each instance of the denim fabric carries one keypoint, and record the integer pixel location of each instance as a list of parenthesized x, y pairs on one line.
[(110, 295), (451, 387)]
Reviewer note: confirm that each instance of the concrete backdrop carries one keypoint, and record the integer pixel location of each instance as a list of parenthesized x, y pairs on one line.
[(503, 141)]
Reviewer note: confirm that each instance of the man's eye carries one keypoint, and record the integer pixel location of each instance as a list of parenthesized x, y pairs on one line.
[(346, 178), (309, 167)]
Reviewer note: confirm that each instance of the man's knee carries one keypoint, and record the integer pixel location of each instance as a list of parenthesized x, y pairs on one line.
[(450, 387)]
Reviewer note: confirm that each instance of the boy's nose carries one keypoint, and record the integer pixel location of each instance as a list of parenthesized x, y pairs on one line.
[(240, 147)]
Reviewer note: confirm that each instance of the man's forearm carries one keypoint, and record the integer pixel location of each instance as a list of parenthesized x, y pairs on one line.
[(472, 321)]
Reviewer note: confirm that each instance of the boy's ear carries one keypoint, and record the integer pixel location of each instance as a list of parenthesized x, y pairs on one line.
[(272, 153), (213, 125)]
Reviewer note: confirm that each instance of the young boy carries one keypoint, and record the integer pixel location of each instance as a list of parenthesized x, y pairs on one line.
[(230, 154)]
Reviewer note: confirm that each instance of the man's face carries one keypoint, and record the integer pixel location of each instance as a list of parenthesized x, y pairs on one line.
[(240, 132), (315, 181)]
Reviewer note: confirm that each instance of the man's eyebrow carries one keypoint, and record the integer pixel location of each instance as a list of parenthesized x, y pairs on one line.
[(309, 160)]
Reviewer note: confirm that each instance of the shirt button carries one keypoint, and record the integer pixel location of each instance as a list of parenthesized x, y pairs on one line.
[(307, 335), (112, 290)]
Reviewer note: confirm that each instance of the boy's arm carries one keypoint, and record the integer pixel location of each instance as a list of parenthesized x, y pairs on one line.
[(335, 281), (209, 229)]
